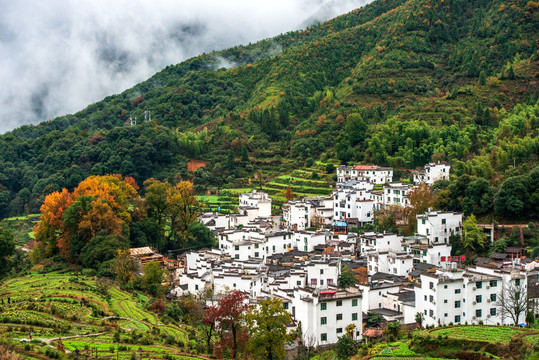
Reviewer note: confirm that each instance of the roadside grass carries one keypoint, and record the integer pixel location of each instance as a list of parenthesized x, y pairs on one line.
[(493, 334)]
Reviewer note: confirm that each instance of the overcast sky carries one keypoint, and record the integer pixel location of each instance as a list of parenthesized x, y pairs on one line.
[(58, 56)]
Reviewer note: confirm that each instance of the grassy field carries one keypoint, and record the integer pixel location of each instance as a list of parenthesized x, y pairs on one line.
[(494, 334)]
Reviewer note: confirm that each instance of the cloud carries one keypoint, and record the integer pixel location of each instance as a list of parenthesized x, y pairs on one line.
[(58, 56)]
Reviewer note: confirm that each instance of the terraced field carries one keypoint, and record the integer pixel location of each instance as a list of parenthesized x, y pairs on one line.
[(61, 308)]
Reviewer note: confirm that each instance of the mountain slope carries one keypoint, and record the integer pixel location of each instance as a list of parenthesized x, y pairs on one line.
[(428, 78)]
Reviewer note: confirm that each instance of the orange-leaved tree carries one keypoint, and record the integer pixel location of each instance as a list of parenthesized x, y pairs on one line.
[(70, 220)]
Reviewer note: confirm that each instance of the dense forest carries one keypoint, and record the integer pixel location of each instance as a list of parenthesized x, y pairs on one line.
[(396, 83)]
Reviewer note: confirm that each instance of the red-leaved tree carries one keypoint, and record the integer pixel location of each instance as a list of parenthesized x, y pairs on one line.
[(231, 314)]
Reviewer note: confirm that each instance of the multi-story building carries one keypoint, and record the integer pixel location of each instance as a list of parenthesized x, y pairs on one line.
[(372, 173), (296, 214), (432, 173), (325, 313), (396, 194), (353, 204), (465, 295), (255, 200), (438, 226)]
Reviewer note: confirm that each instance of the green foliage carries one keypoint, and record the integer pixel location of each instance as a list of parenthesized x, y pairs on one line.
[(346, 278), (7, 248), (473, 237), (346, 348), (153, 277), (374, 319), (267, 323)]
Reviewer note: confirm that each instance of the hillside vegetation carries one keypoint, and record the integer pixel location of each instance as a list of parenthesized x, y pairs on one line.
[(395, 83)]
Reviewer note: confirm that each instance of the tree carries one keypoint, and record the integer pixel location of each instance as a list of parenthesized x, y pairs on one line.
[(201, 236), (153, 277), (356, 128), (346, 348), (419, 317), (473, 236), (232, 309), (530, 318), (7, 248), (374, 319), (288, 194), (512, 301), (209, 323), (123, 266), (182, 204), (421, 200), (511, 199), (392, 330), (330, 168), (346, 278), (482, 78), (267, 329)]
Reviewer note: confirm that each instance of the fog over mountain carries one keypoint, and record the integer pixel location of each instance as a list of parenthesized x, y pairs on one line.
[(58, 56)]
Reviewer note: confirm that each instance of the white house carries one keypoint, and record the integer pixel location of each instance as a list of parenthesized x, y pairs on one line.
[(432, 173), (438, 226), (457, 295), (353, 204), (396, 194), (296, 214), (373, 173), (255, 200), (307, 240), (325, 313)]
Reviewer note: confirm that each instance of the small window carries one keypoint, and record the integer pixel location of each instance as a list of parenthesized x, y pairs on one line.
[(423, 221), (354, 316), (354, 302), (324, 337), (323, 306), (492, 311), (321, 271), (339, 330), (443, 221), (478, 313), (457, 318), (339, 302), (457, 291), (493, 283), (492, 297), (285, 306), (323, 320), (478, 299), (339, 316), (457, 304)]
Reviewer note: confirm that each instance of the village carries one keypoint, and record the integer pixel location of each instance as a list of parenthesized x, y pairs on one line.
[(411, 279)]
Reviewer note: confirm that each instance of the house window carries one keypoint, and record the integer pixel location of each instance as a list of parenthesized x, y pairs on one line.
[(196, 287), (479, 284), (339, 316), (323, 306), (493, 283), (339, 330), (321, 281), (324, 337), (298, 283), (423, 221), (443, 221), (256, 246), (285, 306), (256, 254), (492, 311), (517, 282), (431, 313), (339, 302), (478, 313), (445, 315), (323, 320), (445, 286), (431, 285), (492, 297), (314, 281), (478, 299), (354, 302), (431, 298), (237, 256), (330, 281), (457, 318), (354, 316), (457, 304), (321, 271), (445, 301), (236, 247)]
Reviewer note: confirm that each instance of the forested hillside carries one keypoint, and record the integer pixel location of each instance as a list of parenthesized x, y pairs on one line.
[(430, 80)]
